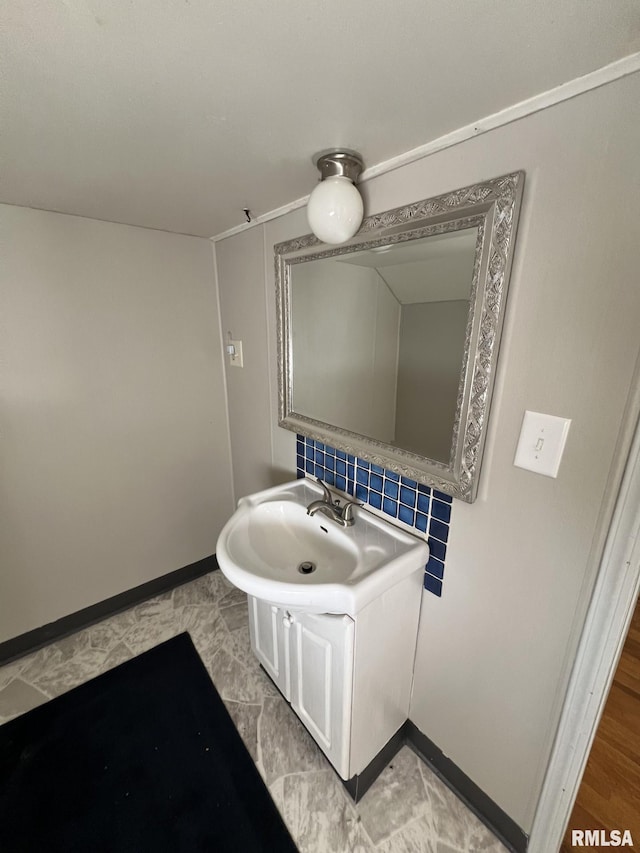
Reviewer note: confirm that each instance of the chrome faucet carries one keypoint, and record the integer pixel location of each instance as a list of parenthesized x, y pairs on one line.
[(326, 505)]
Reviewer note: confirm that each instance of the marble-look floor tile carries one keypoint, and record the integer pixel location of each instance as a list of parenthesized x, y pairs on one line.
[(108, 633), (319, 816), (232, 680), (285, 745), (10, 671), (118, 654), (231, 596), (236, 615), (40, 662), (18, 697), (67, 674), (453, 822), (415, 837), (395, 798), (245, 718)]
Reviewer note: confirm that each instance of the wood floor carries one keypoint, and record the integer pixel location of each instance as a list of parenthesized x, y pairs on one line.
[(609, 796)]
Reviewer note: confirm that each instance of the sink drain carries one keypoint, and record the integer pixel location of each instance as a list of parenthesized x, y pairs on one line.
[(306, 567)]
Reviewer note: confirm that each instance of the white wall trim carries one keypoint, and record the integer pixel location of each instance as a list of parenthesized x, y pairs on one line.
[(605, 630), (593, 80)]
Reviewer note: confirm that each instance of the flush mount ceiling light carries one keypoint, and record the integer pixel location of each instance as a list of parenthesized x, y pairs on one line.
[(335, 206)]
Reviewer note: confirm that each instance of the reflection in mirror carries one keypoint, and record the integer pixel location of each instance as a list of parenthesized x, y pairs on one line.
[(388, 345), (378, 339)]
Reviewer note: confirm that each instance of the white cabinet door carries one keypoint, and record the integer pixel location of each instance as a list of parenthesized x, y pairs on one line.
[(270, 641), (321, 670)]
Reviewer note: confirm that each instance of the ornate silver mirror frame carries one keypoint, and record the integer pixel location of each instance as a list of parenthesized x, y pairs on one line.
[(492, 207)]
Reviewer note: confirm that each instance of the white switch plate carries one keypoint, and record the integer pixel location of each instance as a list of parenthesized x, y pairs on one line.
[(542, 441), (235, 357)]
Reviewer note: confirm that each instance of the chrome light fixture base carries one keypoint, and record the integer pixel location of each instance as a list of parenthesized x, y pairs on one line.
[(339, 162)]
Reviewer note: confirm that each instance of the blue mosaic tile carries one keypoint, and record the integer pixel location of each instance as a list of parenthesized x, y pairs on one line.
[(375, 499), (391, 475), (426, 490), (309, 452), (341, 467), (435, 567), (329, 477), (442, 497), (362, 463), (330, 450), (319, 472), (300, 448), (351, 458), (407, 482), (362, 476), (319, 445), (390, 507), (341, 483), (319, 457), (407, 496), (362, 493), (377, 469), (350, 470), (375, 481), (309, 466), (391, 489), (350, 487), (330, 462), (421, 522), (437, 549), (299, 461), (405, 514), (299, 474), (341, 454), (423, 502), (300, 437), (438, 530), (441, 511), (433, 585)]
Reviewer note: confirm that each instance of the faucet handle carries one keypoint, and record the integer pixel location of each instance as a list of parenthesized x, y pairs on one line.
[(347, 512), (327, 494)]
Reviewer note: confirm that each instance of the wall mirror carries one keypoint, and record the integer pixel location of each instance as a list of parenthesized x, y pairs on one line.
[(387, 344)]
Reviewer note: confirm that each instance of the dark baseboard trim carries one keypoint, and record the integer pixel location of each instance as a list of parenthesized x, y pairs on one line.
[(474, 797), (33, 640), (358, 785)]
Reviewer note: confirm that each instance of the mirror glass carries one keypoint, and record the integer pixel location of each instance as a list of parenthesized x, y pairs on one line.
[(378, 339), (387, 345)]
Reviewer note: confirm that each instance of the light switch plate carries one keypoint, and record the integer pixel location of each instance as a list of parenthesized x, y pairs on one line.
[(541, 444), (235, 356)]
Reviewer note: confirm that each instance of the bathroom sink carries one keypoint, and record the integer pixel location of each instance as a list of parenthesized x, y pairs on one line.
[(272, 549)]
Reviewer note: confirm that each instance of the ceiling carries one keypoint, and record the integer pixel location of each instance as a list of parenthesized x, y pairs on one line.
[(176, 114)]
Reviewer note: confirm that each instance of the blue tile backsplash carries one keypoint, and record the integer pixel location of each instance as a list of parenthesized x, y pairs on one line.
[(399, 497)]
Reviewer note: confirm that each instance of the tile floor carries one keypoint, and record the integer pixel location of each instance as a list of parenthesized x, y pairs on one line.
[(407, 810)]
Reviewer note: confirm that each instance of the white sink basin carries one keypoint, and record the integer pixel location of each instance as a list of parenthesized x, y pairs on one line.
[(270, 535)]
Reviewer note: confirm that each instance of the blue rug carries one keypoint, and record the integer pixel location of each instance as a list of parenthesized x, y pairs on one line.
[(142, 759)]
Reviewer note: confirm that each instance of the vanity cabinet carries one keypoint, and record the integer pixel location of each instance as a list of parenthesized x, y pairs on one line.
[(309, 657), (349, 681)]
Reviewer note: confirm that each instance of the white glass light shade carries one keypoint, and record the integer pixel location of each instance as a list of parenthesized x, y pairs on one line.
[(335, 210)]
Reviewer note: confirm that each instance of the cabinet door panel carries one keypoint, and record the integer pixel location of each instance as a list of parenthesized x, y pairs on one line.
[(321, 657), (268, 641)]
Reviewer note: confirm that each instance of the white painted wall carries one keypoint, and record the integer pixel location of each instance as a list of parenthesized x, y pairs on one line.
[(114, 441), (495, 652)]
